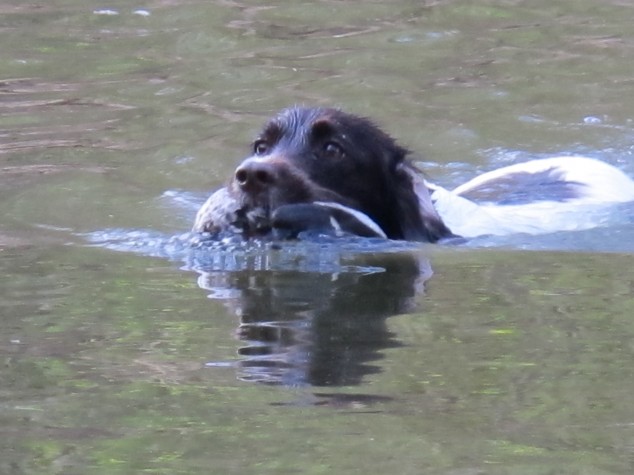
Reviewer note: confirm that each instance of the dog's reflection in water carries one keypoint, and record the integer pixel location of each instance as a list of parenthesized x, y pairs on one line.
[(318, 328)]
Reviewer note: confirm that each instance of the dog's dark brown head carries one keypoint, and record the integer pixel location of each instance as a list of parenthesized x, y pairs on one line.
[(308, 155)]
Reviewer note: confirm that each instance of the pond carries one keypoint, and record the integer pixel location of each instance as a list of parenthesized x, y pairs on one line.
[(127, 347)]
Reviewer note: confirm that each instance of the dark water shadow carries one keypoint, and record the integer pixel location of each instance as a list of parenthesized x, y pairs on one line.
[(318, 328), (311, 313)]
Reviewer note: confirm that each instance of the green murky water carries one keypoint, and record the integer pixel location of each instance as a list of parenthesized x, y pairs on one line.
[(117, 119)]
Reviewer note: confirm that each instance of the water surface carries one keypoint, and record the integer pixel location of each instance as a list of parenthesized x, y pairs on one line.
[(126, 349)]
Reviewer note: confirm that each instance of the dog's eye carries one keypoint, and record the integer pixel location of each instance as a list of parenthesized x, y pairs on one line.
[(260, 147), (333, 150)]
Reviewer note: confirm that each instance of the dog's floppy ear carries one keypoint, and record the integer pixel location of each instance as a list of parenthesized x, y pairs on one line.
[(416, 214)]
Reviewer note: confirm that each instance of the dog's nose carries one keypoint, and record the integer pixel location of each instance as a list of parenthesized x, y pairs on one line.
[(254, 174)]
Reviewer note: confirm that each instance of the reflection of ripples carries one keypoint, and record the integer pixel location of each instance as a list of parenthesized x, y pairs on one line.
[(317, 328), (311, 312), (201, 253)]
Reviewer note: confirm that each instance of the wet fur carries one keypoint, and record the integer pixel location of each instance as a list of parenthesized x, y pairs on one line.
[(326, 171), (309, 155)]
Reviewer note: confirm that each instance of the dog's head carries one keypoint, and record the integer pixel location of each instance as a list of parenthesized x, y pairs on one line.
[(306, 155)]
